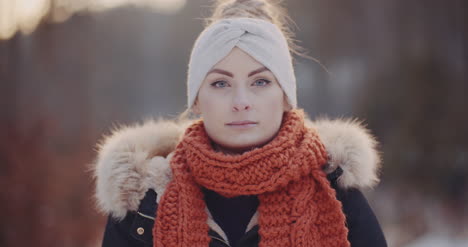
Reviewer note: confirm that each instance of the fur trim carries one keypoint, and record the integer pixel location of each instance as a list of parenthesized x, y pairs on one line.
[(133, 159), (351, 147)]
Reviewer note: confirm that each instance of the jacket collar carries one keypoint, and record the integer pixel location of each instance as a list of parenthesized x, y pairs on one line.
[(133, 159)]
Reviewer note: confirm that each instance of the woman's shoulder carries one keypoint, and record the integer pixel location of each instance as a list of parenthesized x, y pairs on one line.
[(134, 159)]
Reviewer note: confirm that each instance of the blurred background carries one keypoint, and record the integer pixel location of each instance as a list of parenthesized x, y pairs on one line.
[(72, 69)]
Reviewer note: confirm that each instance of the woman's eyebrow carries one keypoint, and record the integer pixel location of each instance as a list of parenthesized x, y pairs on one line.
[(220, 71), (257, 71), (227, 73)]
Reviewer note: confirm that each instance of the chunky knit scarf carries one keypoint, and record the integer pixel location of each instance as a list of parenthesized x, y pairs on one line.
[(297, 205)]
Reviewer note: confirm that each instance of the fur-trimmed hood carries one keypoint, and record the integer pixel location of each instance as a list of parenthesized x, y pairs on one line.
[(133, 159)]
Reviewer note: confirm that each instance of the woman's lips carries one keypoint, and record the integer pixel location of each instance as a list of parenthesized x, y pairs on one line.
[(242, 124)]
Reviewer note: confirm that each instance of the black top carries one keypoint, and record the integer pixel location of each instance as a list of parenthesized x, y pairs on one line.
[(231, 214)]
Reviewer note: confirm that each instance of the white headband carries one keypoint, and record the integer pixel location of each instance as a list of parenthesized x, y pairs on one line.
[(260, 39)]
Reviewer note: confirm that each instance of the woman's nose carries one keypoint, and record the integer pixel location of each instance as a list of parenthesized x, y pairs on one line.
[(240, 107), (241, 101)]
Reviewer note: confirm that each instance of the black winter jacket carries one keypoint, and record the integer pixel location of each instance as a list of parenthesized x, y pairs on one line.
[(132, 171), (136, 228)]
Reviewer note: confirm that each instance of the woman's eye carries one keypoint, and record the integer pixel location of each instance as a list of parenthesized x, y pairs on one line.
[(261, 82), (219, 84)]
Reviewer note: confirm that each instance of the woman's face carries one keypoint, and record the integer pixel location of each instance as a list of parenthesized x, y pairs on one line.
[(241, 103)]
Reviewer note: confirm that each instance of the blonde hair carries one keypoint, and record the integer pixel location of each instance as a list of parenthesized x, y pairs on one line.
[(271, 11)]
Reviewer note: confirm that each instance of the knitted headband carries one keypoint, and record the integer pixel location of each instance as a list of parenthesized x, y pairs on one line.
[(260, 39)]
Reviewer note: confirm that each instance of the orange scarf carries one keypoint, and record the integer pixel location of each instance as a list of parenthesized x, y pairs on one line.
[(298, 207)]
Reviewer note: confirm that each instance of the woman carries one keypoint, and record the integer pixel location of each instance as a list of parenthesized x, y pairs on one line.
[(253, 170)]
